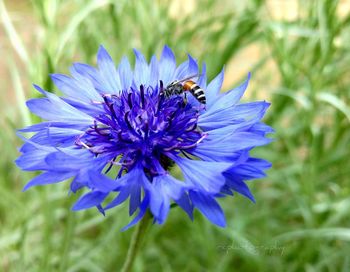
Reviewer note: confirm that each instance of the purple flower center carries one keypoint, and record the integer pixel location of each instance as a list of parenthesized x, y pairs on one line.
[(143, 126)]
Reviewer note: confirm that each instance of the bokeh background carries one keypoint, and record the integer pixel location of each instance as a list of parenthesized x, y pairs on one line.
[(299, 56)]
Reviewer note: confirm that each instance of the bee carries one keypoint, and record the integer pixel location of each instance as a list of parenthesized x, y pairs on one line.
[(178, 87)]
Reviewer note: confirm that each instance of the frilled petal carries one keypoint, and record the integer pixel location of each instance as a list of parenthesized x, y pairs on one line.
[(48, 178), (187, 69), (181, 71), (33, 160), (81, 180), (260, 128), (213, 89), (78, 88), (89, 200), (71, 160), (192, 67), (34, 154), (252, 168), (228, 99), (102, 183), (204, 175), (130, 185), (224, 148), (162, 190), (135, 198), (53, 136), (185, 203), (208, 207), (202, 81), (240, 187), (142, 71), (241, 115), (154, 72), (57, 124), (108, 72), (143, 208), (92, 108), (167, 65), (125, 73), (90, 73), (54, 108)]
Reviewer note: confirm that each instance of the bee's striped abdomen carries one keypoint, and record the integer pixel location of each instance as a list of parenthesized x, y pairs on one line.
[(195, 90)]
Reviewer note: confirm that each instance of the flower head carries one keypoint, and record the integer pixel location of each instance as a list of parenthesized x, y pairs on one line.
[(117, 131)]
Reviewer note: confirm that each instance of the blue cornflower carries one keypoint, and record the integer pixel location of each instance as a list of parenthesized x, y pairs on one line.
[(114, 132)]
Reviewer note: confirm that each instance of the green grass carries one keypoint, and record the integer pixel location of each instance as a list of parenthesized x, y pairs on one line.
[(301, 221)]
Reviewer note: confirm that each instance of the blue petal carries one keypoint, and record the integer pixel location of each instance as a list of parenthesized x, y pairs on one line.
[(108, 72), (259, 163), (262, 129), (143, 209), (226, 190), (81, 89), (167, 64), (185, 204), (142, 71), (32, 161), (237, 115), (122, 196), (48, 178), (162, 190), (223, 148), (202, 81), (101, 210), (54, 108), (154, 70), (181, 71), (169, 186), (125, 73), (135, 198), (213, 89), (89, 200), (138, 181), (81, 180), (206, 176), (124, 187), (130, 185), (209, 208), (93, 108), (250, 169), (36, 145), (186, 69), (81, 158), (157, 203), (55, 136), (229, 98), (192, 66), (246, 172), (90, 73), (44, 125), (101, 182), (240, 187)]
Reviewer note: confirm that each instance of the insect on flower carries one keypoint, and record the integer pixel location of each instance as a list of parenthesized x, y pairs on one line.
[(119, 131), (178, 87)]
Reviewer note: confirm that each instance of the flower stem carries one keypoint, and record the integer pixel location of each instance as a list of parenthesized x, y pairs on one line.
[(136, 241)]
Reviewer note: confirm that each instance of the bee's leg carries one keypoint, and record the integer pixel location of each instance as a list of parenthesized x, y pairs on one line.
[(185, 100)]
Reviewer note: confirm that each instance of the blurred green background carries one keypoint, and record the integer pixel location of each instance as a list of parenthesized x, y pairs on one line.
[(299, 56)]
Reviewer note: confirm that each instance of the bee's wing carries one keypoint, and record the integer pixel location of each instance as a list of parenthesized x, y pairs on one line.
[(189, 77)]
